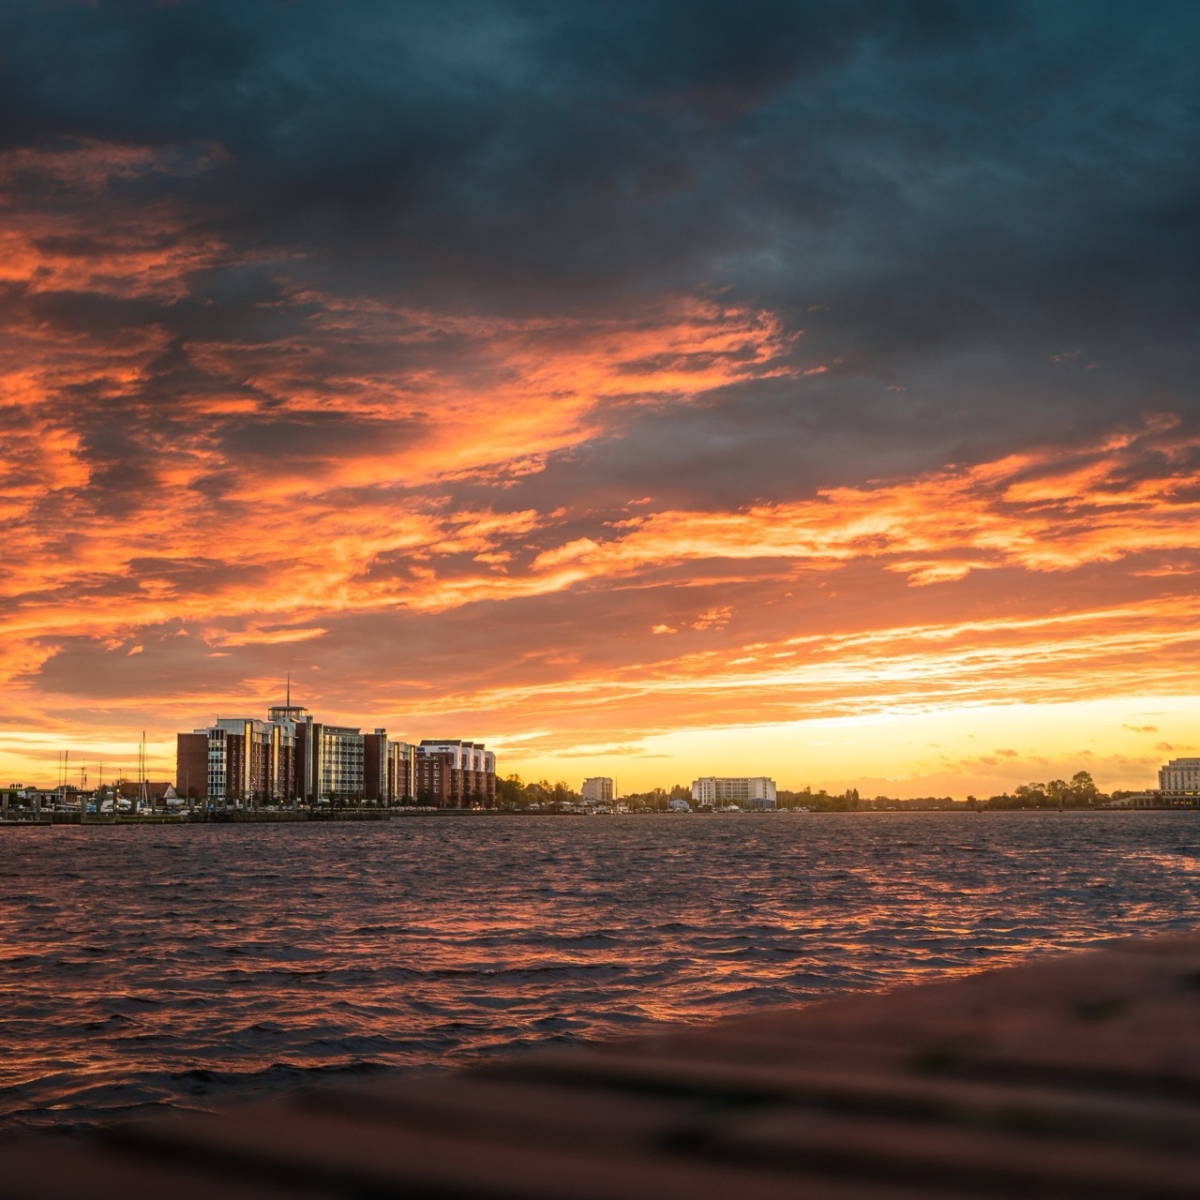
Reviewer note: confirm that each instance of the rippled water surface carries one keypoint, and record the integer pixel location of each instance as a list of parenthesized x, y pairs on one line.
[(186, 964)]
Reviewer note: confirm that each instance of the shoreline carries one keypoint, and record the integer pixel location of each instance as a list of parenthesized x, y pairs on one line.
[(263, 817)]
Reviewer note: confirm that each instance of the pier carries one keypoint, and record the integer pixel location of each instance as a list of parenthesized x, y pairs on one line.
[(1073, 1076)]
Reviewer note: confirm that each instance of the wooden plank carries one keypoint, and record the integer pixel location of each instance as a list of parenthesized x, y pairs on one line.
[(287, 1145), (59, 1170), (1076, 1077), (938, 1155), (999, 1106), (511, 1111)]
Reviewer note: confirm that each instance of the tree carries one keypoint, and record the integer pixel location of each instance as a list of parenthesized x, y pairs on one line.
[(1058, 792), (1031, 795), (1083, 789), (510, 790)]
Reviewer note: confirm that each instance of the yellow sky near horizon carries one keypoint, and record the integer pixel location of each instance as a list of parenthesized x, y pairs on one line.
[(981, 750)]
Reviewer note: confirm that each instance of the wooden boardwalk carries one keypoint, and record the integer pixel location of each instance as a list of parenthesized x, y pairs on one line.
[(1071, 1077)]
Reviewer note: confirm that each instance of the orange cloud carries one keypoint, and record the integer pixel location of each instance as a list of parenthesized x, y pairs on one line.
[(91, 244), (327, 482), (455, 396), (1055, 510)]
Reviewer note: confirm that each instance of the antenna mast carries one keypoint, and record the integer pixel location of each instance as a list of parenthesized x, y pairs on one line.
[(143, 788)]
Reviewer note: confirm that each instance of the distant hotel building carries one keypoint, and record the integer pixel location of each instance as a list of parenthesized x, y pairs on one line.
[(1180, 777), (756, 791), (290, 758), (597, 790)]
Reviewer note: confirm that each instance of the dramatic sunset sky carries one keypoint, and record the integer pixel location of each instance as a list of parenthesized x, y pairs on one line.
[(650, 389)]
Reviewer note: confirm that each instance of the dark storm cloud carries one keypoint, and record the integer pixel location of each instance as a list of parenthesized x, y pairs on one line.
[(944, 196)]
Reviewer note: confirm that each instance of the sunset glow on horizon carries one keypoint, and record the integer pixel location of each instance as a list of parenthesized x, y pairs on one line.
[(649, 421)]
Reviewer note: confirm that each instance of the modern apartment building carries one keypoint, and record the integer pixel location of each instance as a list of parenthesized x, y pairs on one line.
[(597, 790), (340, 766), (291, 758), (401, 771), (1180, 777), (755, 791), (388, 768), (451, 773), (235, 760)]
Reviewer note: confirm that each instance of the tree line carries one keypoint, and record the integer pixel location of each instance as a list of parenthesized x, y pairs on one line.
[(514, 792), (1080, 791)]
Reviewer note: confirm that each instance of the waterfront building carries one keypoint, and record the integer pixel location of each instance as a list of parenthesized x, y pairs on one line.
[(1180, 777), (338, 768), (191, 765), (233, 761), (451, 773), (388, 768), (597, 790), (756, 791), (401, 771), (325, 762), (290, 758)]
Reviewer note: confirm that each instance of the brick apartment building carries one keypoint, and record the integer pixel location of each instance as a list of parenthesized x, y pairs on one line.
[(235, 760), (388, 768), (451, 773)]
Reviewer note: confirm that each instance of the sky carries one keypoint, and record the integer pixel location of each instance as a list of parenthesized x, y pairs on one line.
[(649, 390)]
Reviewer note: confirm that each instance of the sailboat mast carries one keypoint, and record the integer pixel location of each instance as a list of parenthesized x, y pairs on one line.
[(143, 789)]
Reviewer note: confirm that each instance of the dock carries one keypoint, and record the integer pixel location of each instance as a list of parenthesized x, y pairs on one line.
[(1072, 1076)]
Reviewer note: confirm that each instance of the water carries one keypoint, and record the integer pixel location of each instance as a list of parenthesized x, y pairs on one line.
[(187, 965)]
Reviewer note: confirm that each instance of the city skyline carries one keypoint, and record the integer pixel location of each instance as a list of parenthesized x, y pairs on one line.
[(1177, 775), (800, 390)]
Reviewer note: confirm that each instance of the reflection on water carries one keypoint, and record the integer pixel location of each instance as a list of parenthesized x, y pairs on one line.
[(186, 964)]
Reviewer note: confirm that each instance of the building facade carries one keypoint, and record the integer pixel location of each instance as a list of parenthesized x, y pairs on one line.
[(387, 768), (290, 758), (451, 773), (755, 791), (238, 761), (191, 765), (1180, 777), (597, 790), (338, 773), (401, 772)]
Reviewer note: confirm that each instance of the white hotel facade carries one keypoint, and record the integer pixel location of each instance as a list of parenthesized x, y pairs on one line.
[(1180, 777), (754, 791)]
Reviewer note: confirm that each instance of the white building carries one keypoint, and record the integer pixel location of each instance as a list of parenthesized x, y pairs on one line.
[(597, 790), (756, 791), (1180, 775)]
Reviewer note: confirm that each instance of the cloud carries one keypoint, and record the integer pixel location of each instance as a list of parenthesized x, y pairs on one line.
[(1042, 511), (564, 371)]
